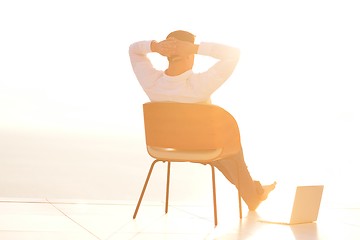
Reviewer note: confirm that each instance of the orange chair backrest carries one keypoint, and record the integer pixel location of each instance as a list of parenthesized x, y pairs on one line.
[(190, 126)]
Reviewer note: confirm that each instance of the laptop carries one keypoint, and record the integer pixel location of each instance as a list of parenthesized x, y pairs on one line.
[(305, 207)]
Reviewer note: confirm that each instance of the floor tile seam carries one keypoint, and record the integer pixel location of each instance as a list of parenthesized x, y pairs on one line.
[(192, 214), (71, 219), (145, 227), (70, 201), (110, 203), (204, 236), (134, 219), (117, 231), (40, 201)]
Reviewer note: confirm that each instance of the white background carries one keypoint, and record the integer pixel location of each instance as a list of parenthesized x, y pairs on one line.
[(71, 108)]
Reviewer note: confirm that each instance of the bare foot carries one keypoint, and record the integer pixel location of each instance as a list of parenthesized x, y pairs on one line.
[(267, 190), (263, 191)]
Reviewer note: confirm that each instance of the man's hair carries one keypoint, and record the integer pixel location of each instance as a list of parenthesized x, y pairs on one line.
[(182, 35)]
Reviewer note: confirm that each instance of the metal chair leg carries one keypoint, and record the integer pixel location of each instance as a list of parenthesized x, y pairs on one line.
[(144, 188), (214, 194), (167, 188), (240, 207)]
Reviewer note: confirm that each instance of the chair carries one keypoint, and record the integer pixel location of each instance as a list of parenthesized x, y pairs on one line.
[(188, 132)]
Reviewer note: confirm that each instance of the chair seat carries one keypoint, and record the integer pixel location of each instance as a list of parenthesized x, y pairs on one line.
[(201, 156)]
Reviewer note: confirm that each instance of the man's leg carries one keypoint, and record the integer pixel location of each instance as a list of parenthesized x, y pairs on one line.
[(236, 171)]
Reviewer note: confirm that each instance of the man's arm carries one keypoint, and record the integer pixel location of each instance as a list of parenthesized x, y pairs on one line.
[(141, 64), (205, 83)]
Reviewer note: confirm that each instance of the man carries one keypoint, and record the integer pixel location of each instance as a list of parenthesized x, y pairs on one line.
[(178, 83)]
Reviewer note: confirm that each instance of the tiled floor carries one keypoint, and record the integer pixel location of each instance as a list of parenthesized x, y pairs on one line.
[(43, 219)]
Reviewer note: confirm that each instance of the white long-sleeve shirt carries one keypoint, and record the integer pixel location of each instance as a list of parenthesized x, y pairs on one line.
[(188, 87)]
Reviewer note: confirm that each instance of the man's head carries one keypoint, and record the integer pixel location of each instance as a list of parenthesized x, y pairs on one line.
[(182, 36)]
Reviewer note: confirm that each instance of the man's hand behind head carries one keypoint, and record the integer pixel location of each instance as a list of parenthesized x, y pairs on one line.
[(174, 47)]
